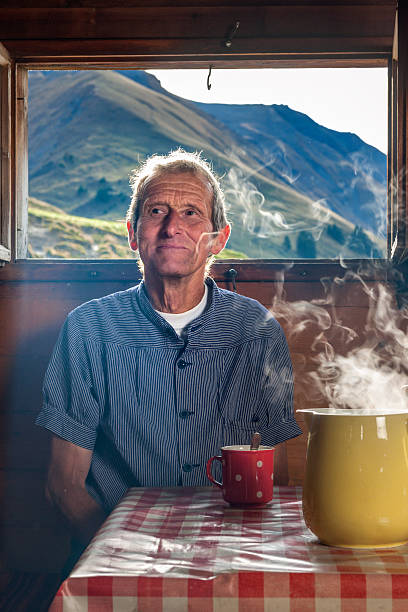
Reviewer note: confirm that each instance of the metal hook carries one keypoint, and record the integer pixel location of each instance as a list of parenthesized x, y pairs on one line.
[(231, 275), (208, 78), (228, 42)]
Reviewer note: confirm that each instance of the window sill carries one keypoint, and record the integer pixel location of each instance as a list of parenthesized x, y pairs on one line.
[(45, 270)]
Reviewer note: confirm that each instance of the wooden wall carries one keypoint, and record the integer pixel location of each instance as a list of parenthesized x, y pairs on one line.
[(194, 30), (34, 300)]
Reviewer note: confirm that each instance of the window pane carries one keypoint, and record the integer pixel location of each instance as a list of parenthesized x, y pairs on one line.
[(301, 153)]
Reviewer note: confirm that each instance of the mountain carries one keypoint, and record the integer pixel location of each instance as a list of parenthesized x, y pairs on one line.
[(287, 180), (336, 168)]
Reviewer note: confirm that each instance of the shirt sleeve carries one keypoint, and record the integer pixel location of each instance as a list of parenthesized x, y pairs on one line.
[(277, 392), (70, 408)]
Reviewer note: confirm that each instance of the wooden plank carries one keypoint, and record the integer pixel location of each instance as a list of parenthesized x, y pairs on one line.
[(26, 446), (5, 58), (5, 170), (248, 271), (5, 152), (401, 134), (22, 162), (72, 293), (214, 22), (30, 327), (192, 50), (63, 294), (334, 60), (351, 294), (192, 4), (32, 535)]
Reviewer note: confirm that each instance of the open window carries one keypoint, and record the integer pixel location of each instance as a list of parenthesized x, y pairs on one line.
[(339, 35), (294, 188)]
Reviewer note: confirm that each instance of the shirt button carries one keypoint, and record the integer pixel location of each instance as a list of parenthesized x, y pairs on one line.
[(187, 467), (182, 364), (184, 414)]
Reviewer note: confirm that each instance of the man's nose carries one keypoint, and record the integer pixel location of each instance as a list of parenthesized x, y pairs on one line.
[(172, 223)]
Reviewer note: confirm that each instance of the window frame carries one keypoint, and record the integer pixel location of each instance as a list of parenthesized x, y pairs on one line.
[(22, 141), (338, 35), (5, 157)]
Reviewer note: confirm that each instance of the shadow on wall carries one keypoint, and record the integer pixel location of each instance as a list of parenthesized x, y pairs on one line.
[(34, 537)]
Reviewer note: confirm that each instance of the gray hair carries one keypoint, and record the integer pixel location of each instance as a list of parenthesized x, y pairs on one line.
[(176, 161)]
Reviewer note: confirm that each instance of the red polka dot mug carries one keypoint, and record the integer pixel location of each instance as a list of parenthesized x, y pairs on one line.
[(247, 475)]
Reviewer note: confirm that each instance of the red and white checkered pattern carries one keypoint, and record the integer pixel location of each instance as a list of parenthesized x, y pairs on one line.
[(185, 549)]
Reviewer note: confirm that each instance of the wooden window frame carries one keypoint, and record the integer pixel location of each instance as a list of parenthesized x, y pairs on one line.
[(273, 39), (5, 157), (22, 155), (398, 158)]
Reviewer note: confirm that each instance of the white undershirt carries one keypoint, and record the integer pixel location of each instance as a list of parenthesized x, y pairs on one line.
[(180, 320)]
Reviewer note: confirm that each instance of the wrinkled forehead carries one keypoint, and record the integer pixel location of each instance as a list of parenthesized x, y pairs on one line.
[(191, 184)]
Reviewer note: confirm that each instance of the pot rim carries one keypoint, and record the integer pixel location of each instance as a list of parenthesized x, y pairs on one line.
[(354, 411)]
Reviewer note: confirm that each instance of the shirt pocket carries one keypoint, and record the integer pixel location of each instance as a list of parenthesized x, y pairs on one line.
[(239, 397)]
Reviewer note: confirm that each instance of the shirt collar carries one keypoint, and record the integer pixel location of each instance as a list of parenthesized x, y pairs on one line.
[(195, 325)]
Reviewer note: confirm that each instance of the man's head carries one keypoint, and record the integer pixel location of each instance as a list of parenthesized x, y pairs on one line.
[(176, 161), (177, 218)]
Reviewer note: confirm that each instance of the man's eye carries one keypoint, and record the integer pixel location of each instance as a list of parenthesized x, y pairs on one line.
[(190, 212), (156, 211)]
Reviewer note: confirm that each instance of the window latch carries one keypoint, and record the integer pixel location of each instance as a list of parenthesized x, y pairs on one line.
[(231, 275)]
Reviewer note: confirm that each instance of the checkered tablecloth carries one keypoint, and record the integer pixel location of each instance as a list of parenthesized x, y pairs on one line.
[(176, 550)]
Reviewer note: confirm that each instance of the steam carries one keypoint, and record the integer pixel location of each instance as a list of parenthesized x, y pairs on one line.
[(376, 192), (371, 368), (363, 367), (266, 220), (362, 195)]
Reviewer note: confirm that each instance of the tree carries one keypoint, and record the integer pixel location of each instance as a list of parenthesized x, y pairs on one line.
[(286, 245), (360, 242), (306, 245), (336, 233)]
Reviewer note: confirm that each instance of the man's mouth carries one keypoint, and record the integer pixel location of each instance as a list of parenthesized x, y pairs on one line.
[(172, 246)]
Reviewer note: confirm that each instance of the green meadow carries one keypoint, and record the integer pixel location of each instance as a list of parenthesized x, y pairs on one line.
[(56, 234)]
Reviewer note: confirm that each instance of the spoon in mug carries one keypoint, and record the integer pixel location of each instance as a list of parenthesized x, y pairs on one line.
[(255, 442)]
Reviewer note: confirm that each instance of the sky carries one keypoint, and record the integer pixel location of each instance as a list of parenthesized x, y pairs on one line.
[(343, 99)]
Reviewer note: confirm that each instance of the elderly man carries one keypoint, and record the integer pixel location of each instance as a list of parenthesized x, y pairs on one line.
[(145, 385)]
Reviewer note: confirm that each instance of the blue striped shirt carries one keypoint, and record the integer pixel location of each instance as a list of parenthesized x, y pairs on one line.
[(153, 407)]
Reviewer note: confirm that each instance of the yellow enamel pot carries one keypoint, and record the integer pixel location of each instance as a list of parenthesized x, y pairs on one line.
[(355, 492)]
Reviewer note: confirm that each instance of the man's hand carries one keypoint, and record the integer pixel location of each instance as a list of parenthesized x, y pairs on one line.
[(69, 467)]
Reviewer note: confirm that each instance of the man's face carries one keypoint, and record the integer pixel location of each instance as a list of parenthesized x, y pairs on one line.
[(174, 233)]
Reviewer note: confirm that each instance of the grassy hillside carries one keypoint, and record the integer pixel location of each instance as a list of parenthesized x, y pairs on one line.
[(54, 233)]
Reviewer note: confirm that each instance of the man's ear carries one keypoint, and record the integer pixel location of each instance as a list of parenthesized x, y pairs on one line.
[(131, 236), (220, 240)]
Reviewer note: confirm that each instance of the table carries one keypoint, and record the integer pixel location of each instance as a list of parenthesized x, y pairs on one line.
[(185, 549)]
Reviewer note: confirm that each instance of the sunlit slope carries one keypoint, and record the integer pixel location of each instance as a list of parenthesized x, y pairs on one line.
[(57, 234), (88, 129), (54, 233)]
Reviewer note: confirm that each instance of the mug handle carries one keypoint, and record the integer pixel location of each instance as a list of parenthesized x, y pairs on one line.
[(209, 473)]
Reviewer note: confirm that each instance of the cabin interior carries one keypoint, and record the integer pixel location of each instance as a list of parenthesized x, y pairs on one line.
[(35, 296)]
